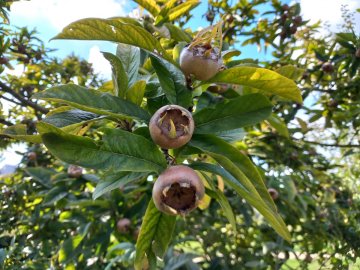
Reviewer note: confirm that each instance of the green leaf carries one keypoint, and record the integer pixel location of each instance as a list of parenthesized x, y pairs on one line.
[(41, 175), (246, 173), (155, 235), (119, 74), (119, 150), (279, 124), (130, 59), (172, 81), (181, 9), (93, 101), (219, 196), (70, 246), (230, 53), (136, 92), (19, 132), (177, 33), (291, 72), (115, 180), (149, 5), (263, 79), (69, 117), (114, 30), (238, 112)]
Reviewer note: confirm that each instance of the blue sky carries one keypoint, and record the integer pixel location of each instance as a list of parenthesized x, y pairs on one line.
[(50, 16)]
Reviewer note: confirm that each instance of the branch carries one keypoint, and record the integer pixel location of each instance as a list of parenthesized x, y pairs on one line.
[(25, 101), (5, 122), (331, 145), (10, 100)]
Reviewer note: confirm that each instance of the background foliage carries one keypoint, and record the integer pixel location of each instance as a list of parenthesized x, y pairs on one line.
[(308, 152)]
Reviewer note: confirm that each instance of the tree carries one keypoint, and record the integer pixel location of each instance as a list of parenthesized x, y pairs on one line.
[(245, 140)]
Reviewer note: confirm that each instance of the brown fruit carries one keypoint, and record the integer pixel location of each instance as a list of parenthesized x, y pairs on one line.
[(178, 190), (285, 7), (293, 29), (327, 67), (31, 156), (74, 171), (136, 233), (123, 225), (201, 61), (210, 16), (297, 20), (171, 126), (274, 194), (3, 60), (357, 53)]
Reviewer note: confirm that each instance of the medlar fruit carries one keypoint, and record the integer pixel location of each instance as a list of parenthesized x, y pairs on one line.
[(327, 67), (74, 171), (202, 61), (31, 156), (123, 225), (171, 126), (274, 194), (357, 53), (178, 190)]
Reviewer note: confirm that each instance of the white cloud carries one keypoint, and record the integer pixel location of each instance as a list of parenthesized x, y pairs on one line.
[(100, 64), (60, 13), (328, 11)]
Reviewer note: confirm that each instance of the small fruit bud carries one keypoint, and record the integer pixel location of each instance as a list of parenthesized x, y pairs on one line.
[(201, 61), (74, 171), (171, 126), (31, 156), (274, 194), (123, 225), (178, 190), (327, 67)]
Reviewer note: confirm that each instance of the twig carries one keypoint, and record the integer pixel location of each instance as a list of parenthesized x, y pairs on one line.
[(331, 145), (25, 101)]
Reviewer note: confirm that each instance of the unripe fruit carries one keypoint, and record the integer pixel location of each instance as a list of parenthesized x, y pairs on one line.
[(74, 171), (31, 156), (171, 126), (178, 190), (123, 225), (201, 61), (274, 194), (327, 67)]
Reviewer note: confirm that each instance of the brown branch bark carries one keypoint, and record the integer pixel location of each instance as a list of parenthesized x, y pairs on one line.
[(333, 145), (24, 101), (5, 122)]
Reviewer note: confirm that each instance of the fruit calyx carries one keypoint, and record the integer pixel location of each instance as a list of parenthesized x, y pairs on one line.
[(171, 126), (202, 57), (178, 190)]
